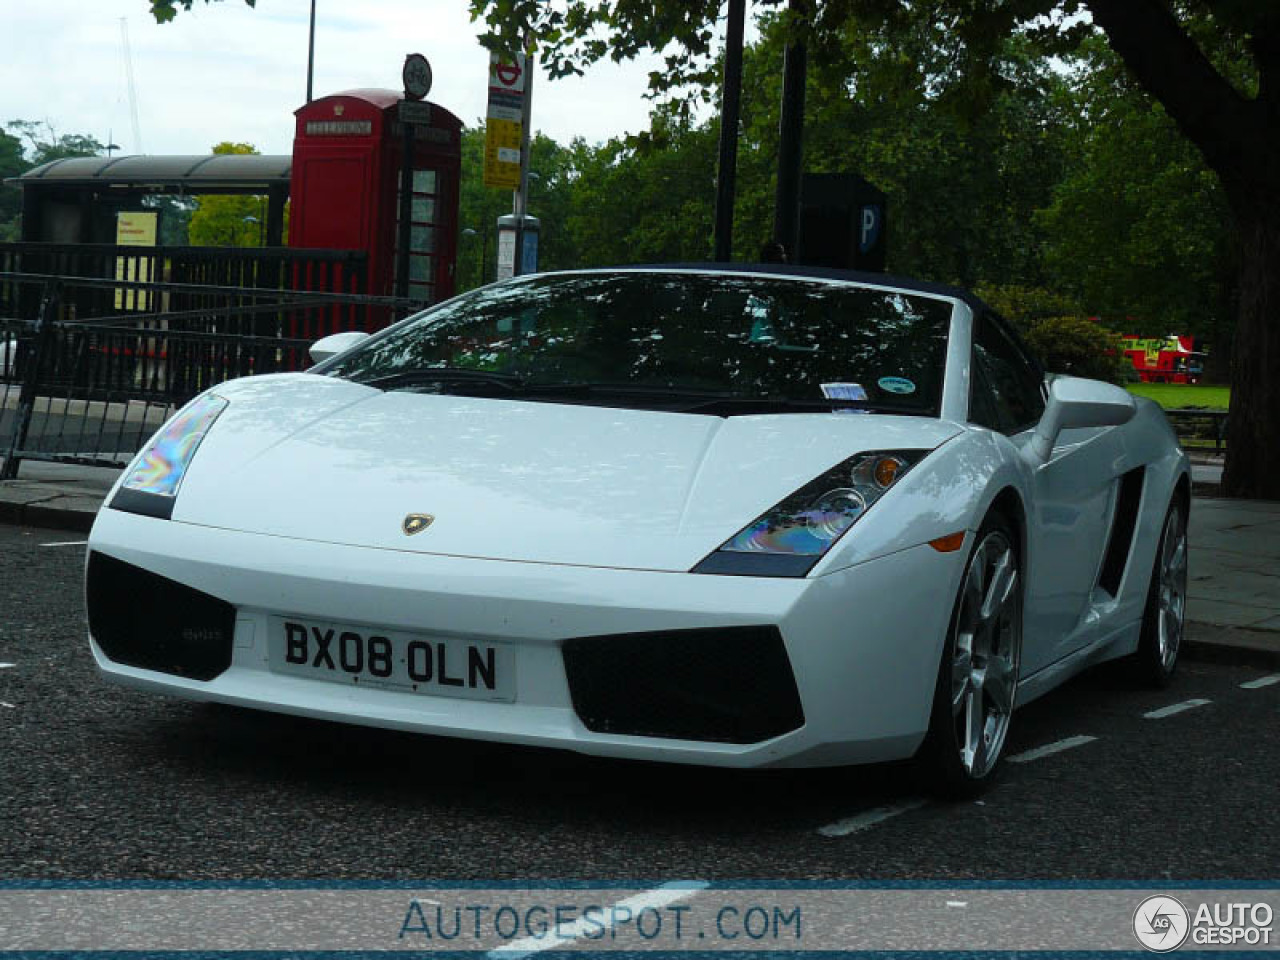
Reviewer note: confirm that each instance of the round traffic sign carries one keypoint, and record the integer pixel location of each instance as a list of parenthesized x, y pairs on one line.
[(417, 76)]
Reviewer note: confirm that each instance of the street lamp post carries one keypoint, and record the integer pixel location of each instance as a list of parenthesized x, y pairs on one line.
[(311, 49), (484, 248)]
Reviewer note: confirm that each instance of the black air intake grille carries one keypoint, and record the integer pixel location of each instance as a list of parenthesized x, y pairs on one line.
[(141, 619), (728, 685)]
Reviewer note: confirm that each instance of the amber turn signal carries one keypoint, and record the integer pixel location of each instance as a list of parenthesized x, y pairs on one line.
[(886, 471), (948, 544)]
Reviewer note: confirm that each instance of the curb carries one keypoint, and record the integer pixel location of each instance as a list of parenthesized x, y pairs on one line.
[(1242, 653), (40, 515)]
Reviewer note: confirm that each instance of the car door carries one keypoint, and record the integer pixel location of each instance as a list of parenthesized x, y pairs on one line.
[(1072, 495)]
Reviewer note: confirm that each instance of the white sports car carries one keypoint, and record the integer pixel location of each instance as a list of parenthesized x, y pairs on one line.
[(745, 516)]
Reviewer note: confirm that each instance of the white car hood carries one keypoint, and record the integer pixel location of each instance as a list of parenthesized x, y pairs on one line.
[(312, 457)]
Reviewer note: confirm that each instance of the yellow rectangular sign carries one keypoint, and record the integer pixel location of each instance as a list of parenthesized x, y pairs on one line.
[(135, 228), (502, 153)]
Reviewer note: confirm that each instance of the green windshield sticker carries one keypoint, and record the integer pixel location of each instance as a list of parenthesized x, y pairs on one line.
[(899, 385)]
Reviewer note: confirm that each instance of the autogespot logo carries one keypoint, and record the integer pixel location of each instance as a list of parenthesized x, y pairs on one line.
[(1161, 923)]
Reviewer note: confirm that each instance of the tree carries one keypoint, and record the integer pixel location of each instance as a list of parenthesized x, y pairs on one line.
[(1138, 229), (25, 144), (13, 162), (44, 144), (229, 221)]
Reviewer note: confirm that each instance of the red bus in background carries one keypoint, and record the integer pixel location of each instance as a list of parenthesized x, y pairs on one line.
[(1169, 359)]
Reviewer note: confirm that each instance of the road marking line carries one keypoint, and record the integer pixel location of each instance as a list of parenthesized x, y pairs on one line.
[(1050, 749), (1173, 708), (957, 903), (1261, 682), (7, 666), (565, 933), (65, 543), (864, 821), (8, 706)]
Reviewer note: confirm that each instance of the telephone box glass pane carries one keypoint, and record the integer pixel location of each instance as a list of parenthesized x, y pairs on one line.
[(420, 268), (424, 210), (422, 239), (424, 181), (420, 291)]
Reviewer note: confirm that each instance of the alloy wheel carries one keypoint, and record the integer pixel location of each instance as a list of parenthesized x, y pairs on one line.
[(1171, 594), (986, 646)]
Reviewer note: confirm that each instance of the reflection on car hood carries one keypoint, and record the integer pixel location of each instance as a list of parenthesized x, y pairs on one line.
[(305, 456)]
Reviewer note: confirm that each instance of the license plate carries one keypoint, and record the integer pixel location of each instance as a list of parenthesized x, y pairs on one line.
[(392, 660)]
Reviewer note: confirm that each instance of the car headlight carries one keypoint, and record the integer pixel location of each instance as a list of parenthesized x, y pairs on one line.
[(789, 539), (152, 485)]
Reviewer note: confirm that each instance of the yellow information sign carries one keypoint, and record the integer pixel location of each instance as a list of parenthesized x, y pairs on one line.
[(502, 153), (135, 228)]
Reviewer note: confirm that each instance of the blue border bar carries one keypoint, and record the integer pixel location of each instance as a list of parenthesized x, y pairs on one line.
[(426, 883)]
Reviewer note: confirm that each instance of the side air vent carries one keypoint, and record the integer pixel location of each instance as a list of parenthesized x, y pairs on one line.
[(1122, 526)]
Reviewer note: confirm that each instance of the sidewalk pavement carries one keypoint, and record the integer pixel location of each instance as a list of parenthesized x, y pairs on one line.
[(1233, 594)]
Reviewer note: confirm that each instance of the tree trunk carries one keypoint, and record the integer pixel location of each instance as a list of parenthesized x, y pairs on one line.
[(1253, 431)]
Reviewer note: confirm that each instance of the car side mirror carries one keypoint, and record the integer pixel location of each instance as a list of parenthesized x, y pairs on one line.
[(1075, 402), (334, 344)]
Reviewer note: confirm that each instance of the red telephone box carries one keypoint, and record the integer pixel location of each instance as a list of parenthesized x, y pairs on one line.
[(346, 180)]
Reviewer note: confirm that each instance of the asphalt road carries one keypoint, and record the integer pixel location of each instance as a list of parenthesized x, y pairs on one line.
[(99, 782)]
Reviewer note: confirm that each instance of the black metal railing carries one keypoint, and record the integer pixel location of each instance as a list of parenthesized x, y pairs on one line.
[(91, 390), (1200, 430), (256, 268)]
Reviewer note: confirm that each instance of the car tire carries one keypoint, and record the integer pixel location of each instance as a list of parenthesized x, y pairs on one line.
[(977, 683), (1164, 617)]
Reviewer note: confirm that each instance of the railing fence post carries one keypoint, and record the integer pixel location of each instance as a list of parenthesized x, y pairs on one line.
[(44, 329)]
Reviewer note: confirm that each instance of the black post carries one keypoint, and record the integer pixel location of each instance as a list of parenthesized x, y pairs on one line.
[(730, 108), (406, 210), (786, 211), (311, 50), (31, 378)]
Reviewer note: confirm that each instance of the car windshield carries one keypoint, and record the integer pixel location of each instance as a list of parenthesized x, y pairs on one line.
[(796, 342)]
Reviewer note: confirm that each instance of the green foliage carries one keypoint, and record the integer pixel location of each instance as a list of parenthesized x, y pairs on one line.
[(25, 144), (13, 162), (166, 10), (1026, 306), (44, 144), (1079, 347), (1139, 229), (229, 221)]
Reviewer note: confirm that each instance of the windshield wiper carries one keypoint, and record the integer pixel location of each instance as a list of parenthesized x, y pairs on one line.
[(409, 378)]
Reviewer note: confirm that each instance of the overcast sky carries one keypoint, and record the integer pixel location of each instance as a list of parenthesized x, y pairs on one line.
[(228, 72)]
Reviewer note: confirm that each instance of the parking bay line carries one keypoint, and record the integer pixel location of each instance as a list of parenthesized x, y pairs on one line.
[(65, 543), (7, 666), (566, 933), (1260, 682), (1049, 749), (1173, 708), (864, 821)]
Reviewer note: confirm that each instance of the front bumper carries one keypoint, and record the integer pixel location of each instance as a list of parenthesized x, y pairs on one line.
[(863, 643)]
